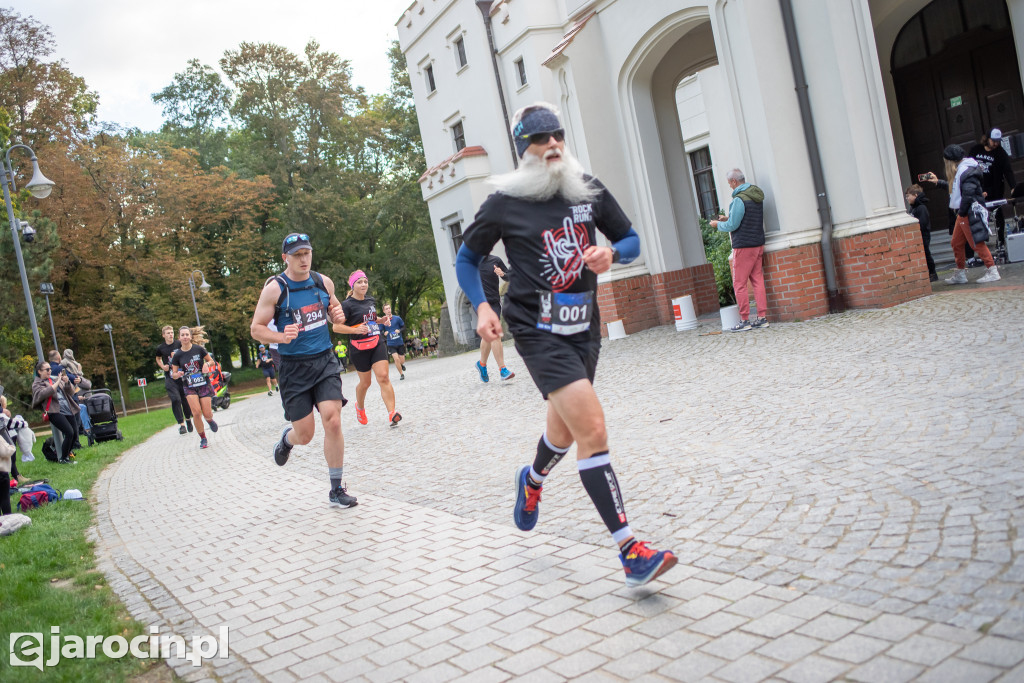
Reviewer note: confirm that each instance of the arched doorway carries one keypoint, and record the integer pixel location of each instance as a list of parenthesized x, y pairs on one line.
[(954, 68)]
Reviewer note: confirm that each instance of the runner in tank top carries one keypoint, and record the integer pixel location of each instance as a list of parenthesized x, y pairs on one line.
[(300, 302)]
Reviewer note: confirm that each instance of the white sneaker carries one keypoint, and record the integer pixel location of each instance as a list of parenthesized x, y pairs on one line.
[(991, 275), (959, 277)]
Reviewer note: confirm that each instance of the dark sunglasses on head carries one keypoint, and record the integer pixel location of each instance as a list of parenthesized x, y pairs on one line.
[(542, 138), (292, 239)]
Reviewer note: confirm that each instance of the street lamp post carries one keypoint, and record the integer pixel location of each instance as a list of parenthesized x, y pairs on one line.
[(192, 288), (109, 329), (40, 187), (47, 289)]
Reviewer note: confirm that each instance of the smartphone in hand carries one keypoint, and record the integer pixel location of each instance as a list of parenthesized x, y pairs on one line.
[(923, 177)]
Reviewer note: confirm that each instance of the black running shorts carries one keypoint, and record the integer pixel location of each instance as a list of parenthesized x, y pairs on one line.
[(496, 307), (268, 371), (306, 381), (555, 361), (400, 350), (364, 360)]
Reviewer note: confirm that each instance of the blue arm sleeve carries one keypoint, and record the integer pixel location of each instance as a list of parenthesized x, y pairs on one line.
[(628, 247), (736, 211), (467, 272)]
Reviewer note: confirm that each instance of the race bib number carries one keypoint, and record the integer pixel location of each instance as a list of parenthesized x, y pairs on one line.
[(310, 317), (565, 313), (372, 327), (195, 379)]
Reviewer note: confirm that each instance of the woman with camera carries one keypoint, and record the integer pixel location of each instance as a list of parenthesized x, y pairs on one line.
[(56, 398)]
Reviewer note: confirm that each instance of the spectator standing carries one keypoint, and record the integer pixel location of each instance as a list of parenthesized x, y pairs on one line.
[(57, 400), (917, 200), (996, 172), (745, 225)]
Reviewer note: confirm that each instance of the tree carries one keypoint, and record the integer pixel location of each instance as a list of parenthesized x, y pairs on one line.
[(195, 107)]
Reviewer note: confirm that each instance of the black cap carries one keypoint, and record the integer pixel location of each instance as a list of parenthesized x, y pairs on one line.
[(295, 241), (954, 153)]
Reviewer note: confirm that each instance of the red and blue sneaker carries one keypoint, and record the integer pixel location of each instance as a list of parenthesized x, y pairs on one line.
[(482, 369), (643, 564), (525, 513)]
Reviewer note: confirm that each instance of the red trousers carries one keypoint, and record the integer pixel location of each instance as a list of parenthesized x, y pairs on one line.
[(962, 236), (747, 265)]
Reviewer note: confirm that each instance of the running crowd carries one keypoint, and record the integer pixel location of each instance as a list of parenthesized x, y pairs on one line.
[(547, 213)]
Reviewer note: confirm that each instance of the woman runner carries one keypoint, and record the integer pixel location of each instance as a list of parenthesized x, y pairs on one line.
[(189, 363), (368, 352)]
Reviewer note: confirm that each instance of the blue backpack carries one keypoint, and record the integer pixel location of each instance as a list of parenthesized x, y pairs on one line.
[(52, 495)]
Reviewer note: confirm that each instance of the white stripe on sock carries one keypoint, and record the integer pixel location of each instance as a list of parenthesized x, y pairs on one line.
[(553, 447), (594, 461)]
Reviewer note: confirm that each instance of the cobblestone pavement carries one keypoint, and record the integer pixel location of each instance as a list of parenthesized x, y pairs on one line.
[(844, 495)]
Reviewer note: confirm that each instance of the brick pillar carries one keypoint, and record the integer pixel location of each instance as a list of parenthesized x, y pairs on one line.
[(645, 301), (873, 270)]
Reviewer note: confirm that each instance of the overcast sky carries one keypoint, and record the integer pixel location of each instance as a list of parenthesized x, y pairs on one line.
[(126, 50)]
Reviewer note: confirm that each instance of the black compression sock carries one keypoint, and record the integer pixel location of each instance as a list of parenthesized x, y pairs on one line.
[(548, 455), (603, 488)]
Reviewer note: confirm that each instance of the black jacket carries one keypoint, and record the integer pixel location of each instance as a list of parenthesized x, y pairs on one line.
[(919, 211), (995, 166)]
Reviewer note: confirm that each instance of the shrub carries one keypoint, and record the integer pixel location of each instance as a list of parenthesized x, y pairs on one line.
[(717, 248)]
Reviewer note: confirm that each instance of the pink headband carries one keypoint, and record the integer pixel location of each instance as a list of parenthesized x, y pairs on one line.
[(355, 276)]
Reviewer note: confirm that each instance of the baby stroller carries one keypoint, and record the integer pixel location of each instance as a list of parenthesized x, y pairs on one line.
[(219, 381), (102, 414)]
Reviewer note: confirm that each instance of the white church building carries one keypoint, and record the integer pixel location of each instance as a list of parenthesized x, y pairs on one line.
[(832, 107)]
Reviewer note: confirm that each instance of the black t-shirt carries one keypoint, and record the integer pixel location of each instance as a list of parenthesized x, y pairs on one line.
[(544, 242), (995, 165), (358, 312), (166, 351), (191, 362), (489, 278)]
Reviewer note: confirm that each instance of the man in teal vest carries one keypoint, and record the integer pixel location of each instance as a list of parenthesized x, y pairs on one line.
[(300, 302), (745, 226)]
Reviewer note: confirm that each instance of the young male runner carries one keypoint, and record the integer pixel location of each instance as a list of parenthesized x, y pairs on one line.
[(393, 336), (491, 268), (175, 387), (265, 362), (547, 213), (300, 302)]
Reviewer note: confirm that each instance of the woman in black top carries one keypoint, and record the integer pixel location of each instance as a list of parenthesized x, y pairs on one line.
[(190, 363), (368, 351)]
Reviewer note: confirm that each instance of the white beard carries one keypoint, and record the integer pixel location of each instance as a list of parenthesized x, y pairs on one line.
[(537, 180)]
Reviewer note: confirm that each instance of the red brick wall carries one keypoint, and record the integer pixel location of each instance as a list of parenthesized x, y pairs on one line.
[(646, 300), (874, 270), (883, 268)]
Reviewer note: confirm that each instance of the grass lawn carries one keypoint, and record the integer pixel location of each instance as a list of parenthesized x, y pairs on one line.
[(48, 574)]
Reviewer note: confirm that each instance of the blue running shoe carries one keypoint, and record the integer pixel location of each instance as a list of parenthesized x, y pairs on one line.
[(507, 374), (213, 425), (482, 369), (527, 499), (643, 564), (203, 443)]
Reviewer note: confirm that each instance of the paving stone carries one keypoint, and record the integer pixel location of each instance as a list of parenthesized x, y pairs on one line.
[(856, 648), (885, 670), (1000, 652), (790, 647), (814, 669), (956, 670)]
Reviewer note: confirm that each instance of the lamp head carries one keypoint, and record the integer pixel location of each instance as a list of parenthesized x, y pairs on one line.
[(40, 186), (46, 288), (205, 286), (108, 328)]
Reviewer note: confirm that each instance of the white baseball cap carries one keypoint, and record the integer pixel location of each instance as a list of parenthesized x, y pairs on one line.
[(996, 134), (72, 494)]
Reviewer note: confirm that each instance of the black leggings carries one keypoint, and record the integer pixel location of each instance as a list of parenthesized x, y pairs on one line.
[(5, 480), (65, 424), (179, 406)]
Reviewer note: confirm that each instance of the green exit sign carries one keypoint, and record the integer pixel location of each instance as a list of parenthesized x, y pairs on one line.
[(956, 101)]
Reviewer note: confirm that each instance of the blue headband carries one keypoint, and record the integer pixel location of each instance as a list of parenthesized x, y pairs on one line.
[(536, 121)]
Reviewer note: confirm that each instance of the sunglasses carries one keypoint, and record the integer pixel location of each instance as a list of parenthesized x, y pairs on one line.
[(542, 138), (292, 239)]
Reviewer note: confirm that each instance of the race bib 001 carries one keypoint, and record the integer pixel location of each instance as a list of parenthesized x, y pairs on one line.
[(310, 317), (195, 379), (564, 313)]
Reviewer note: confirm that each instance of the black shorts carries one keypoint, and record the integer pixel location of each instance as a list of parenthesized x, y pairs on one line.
[(276, 356), (400, 350), (496, 307), (363, 360), (555, 361), (308, 380), (268, 371)]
